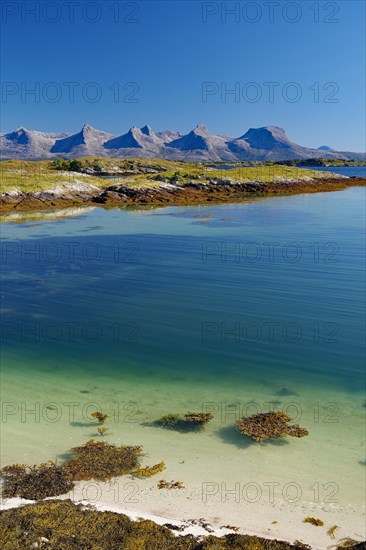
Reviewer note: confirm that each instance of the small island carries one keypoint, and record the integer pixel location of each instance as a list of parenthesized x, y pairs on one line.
[(110, 182)]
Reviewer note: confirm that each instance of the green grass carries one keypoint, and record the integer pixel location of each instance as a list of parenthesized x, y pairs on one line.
[(28, 176), (32, 176)]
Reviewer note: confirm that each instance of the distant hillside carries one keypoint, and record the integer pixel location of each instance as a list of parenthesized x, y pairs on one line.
[(269, 143)]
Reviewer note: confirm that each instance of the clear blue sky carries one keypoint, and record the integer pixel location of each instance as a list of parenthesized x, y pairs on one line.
[(170, 49)]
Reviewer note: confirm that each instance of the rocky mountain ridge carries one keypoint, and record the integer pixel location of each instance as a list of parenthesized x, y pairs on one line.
[(266, 143)]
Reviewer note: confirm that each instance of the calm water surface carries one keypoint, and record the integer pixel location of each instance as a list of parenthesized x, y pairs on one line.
[(230, 308)]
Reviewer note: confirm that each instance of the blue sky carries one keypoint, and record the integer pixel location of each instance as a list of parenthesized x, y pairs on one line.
[(299, 65)]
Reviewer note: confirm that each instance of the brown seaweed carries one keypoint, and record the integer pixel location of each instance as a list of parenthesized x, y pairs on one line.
[(149, 471), (314, 521), (61, 524), (100, 416), (170, 484), (101, 460), (332, 530), (191, 421), (36, 482), (271, 425)]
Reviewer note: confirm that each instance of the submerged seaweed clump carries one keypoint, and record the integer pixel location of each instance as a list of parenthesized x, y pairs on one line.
[(102, 431), (101, 460), (198, 419), (189, 422), (169, 420), (100, 416), (36, 482), (271, 425)]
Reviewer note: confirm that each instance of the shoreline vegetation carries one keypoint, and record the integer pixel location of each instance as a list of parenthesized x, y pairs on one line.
[(108, 182), (55, 524), (34, 518)]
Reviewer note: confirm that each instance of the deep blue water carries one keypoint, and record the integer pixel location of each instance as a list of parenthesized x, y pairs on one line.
[(267, 290)]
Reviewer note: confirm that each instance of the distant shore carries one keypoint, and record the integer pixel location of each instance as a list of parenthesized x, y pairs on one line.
[(192, 193)]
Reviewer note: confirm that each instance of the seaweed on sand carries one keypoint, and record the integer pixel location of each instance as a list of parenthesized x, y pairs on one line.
[(61, 524), (332, 530), (348, 542), (189, 422), (314, 521), (149, 471), (101, 460), (36, 482), (93, 460), (271, 425), (170, 484)]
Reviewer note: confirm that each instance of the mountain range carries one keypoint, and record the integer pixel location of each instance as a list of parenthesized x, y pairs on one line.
[(266, 143)]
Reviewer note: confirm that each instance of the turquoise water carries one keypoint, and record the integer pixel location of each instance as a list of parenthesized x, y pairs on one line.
[(230, 308), (271, 289)]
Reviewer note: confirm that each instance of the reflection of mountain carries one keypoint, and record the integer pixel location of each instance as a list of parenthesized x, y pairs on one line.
[(267, 143)]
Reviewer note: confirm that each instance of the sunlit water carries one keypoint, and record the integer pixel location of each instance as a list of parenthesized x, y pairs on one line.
[(234, 309)]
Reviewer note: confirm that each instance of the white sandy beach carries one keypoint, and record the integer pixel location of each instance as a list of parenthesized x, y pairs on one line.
[(141, 499), (264, 490)]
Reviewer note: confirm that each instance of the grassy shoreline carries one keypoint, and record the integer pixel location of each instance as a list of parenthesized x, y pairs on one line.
[(40, 185)]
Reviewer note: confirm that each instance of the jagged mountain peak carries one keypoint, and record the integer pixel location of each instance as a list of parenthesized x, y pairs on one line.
[(197, 139), (147, 130), (266, 137), (137, 138), (264, 143), (20, 135), (90, 138), (201, 129), (88, 129), (21, 129)]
